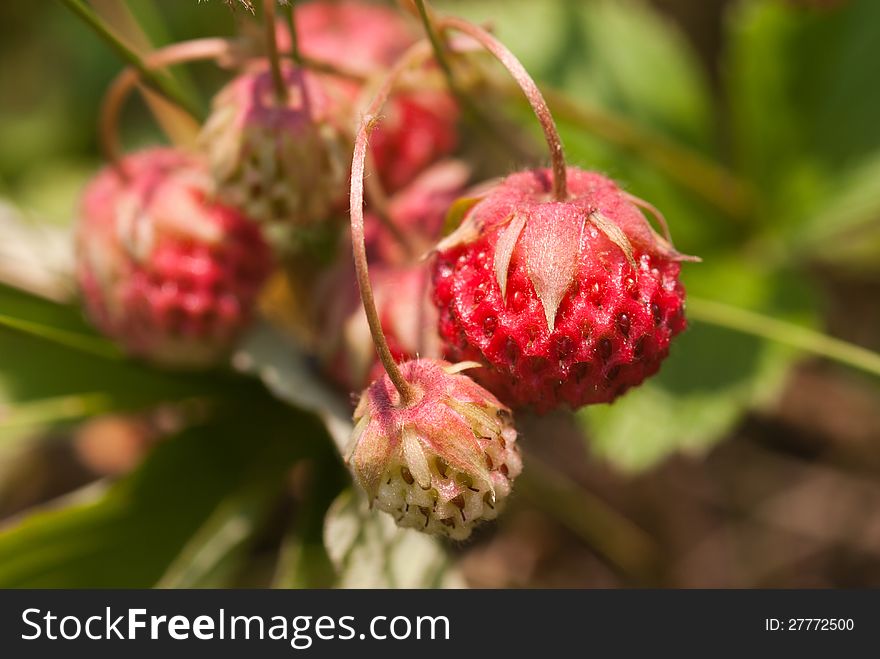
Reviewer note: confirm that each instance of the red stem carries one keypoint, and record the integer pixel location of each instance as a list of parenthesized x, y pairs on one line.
[(359, 250), (530, 89)]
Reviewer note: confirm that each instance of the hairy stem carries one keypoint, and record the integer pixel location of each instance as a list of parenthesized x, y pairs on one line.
[(281, 93), (531, 91), (780, 331), (356, 202), (120, 88), (159, 83)]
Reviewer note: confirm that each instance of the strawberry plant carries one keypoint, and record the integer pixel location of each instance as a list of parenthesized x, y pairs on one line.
[(199, 386)]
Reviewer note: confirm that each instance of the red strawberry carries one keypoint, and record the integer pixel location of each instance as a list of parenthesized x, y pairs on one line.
[(170, 275), (567, 303), (442, 464), (420, 124)]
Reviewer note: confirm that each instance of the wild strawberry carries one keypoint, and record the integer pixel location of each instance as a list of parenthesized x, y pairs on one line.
[(569, 302), (344, 345), (165, 271), (443, 463), (283, 164), (420, 124)]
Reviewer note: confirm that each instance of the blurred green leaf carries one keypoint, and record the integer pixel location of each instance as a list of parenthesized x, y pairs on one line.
[(43, 358), (804, 99), (303, 561), (370, 551), (20, 420), (216, 552), (845, 229), (285, 371), (598, 51), (131, 535), (712, 376)]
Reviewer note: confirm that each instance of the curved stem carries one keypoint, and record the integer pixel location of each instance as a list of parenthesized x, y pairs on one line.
[(120, 88), (531, 91), (472, 111), (161, 84), (272, 46), (356, 202), (780, 331)]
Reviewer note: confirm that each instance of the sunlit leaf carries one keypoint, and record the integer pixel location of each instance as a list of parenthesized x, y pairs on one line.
[(370, 551)]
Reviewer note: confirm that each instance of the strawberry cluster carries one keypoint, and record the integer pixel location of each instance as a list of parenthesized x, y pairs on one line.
[(546, 289)]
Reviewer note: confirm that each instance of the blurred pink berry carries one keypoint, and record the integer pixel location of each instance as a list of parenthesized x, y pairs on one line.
[(344, 345), (419, 124), (169, 274), (418, 211)]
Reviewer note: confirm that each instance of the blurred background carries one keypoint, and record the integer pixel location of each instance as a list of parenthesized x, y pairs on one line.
[(753, 460)]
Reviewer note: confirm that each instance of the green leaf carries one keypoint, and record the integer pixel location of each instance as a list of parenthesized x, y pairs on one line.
[(711, 378), (845, 229), (284, 369), (370, 551), (621, 55), (131, 535), (50, 353), (303, 561), (804, 99), (216, 552)]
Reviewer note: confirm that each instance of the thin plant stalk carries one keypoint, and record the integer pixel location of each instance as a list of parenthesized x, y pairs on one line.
[(536, 99), (780, 331), (281, 92), (410, 58)]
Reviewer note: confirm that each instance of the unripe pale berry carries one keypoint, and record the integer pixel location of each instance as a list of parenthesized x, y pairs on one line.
[(442, 464), (284, 164), (170, 275)]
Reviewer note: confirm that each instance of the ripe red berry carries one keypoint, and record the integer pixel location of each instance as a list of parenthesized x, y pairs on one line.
[(567, 303), (165, 271)]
